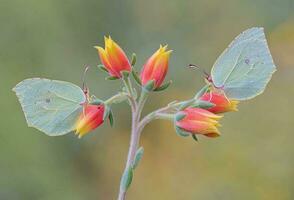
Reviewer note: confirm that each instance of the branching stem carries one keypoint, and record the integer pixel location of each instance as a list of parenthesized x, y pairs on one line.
[(138, 126), (135, 133)]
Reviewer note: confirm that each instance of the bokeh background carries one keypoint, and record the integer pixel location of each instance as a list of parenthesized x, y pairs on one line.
[(51, 38)]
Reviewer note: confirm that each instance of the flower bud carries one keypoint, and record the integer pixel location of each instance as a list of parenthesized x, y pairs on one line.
[(113, 58), (156, 67), (90, 118), (199, 121), (221, 102)]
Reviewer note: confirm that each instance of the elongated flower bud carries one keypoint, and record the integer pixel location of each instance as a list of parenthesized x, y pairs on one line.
[(156, 67), (222, 104), (90, 119), (113, 58), (199, 121)]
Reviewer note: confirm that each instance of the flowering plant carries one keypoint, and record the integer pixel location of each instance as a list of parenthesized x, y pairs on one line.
[(57, 107)]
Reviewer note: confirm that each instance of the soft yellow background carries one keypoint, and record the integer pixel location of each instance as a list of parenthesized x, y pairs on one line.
[(252, 160)]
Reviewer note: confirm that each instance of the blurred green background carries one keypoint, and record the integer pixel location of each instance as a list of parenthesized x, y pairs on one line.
[(252, 160)]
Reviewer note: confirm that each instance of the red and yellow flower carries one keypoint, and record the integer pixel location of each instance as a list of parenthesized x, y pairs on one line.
[(113, 58), (156, 67), (90, 119), (222, 103), (199, 121)]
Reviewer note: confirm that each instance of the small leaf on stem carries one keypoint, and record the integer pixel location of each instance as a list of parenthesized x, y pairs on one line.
[(110, 118), (96, 101), (111, 78), (136, 77), (186, 104), (203, 104), (138, 157), (134, 59), (202, 91), (125, 74), (127, 179), (106, 112)]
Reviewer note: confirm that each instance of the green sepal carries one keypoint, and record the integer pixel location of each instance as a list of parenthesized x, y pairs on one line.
[(138, 157), (110, 118), (127, 179), (125, 74), (202, 91), (107, 110), (102, 68), (179, 116), (134, 59), (186, 104), (149, 86), (111, 78), (181, 132), (194, 137), (96, 101), (203, 104), (163, 87), (136, 77)]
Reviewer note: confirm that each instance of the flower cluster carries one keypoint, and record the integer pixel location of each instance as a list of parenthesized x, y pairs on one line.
[(115, 62), (194, 119), (197, 120)]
